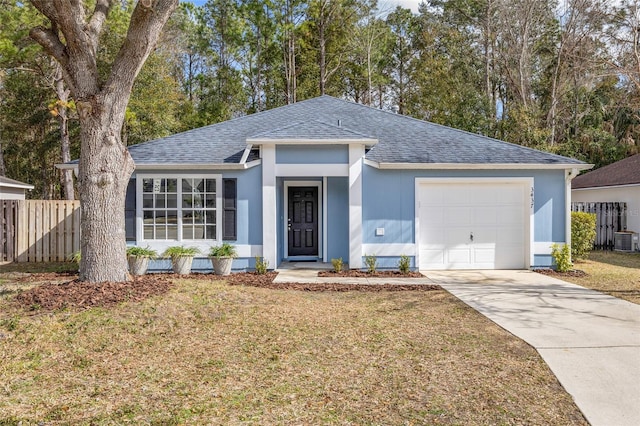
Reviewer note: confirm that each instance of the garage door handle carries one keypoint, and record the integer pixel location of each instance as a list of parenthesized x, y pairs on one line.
[(471, 236)]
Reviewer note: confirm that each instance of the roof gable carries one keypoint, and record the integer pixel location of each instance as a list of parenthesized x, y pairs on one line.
[(623, 172), (401, 139)]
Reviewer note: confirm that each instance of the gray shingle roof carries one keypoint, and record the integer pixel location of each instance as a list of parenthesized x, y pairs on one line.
[(623, 172), (311, 130), (401, 139)]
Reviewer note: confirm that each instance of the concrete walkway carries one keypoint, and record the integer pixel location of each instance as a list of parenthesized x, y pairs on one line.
[(590, 341)]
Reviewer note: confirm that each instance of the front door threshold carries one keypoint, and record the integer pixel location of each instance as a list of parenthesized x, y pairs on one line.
[(303, 259)]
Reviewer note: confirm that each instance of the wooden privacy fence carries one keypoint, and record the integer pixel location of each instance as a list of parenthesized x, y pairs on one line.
[(39, 230), (610, 218)]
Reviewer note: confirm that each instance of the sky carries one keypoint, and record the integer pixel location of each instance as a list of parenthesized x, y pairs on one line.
[(409, 4)]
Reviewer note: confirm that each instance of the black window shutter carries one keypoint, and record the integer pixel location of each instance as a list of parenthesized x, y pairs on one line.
[(229, 204), (130, 211)]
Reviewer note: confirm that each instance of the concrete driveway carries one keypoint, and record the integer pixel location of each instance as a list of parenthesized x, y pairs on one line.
[(590, 341)]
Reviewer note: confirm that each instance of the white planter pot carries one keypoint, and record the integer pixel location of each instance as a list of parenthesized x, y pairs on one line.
[(138, 265), (221, 265), (182, 264)]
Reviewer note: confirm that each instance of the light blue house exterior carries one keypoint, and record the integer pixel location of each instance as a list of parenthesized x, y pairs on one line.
[(326, 178)]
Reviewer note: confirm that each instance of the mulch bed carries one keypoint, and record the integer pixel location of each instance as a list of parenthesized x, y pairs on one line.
[(557, 274), (356, 273), (266, 281), (81, 295), (75, 294)]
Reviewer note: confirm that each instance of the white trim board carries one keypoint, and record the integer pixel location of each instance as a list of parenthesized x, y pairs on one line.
[(311, 170), (475, 166), (319, 214), (544, 247)]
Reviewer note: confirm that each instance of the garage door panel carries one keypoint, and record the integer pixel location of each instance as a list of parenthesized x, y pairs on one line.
[(435, 214), (513, 215), (459, 255), (433, 236), (480, 196), (484, 236), (509, 193), (485, 215), (510, 236), (484, 254), (493, 212), (457, 216), (433, 257), (456, 236), (453, 195)]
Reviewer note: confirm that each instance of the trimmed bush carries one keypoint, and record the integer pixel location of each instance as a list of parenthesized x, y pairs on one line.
[(562, 256), (338, 264), (583, 234), (404, 264)]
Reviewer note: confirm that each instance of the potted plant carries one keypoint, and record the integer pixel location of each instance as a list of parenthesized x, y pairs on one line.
[(181, 258), (222, 257), (138, 259)]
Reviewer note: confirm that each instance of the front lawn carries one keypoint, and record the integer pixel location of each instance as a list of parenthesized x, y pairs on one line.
[(614, 273), (210, 353)]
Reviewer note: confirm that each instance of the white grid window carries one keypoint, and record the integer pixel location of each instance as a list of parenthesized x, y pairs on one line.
[(179, 208)]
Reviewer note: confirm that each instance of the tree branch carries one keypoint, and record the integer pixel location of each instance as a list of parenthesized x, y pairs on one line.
[(144, 30), (98, 18), (50, 42)]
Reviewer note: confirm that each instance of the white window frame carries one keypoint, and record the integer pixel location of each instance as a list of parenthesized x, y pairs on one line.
[(166, 243)]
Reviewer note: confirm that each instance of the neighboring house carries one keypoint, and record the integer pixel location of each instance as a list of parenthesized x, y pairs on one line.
[(12, 189), (326, 178), (617, 182)]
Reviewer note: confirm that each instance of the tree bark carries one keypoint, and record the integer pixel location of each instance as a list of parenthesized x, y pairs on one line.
[(105, 164), (66, 176)]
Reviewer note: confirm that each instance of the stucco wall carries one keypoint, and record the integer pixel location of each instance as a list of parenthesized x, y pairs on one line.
[(628, 194)]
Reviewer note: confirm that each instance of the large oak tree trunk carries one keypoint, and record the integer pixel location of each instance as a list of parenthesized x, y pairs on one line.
[(105, 164), (104, 173)]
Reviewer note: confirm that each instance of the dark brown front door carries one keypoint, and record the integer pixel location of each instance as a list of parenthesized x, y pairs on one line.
[(303, 221)]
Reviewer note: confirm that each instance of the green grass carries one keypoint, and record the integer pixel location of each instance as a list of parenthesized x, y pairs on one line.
[(209, 353), (614, 273)]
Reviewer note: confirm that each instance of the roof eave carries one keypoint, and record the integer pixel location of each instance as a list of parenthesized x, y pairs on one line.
[(180, 166), (202, 166), (14, 185), (476, 166), (626, 185)]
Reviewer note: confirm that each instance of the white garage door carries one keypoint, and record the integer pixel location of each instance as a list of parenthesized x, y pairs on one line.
[(473, 224)]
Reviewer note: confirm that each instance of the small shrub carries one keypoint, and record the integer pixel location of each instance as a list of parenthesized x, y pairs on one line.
[(583, 234), (179, 251), (404, 264), (141, 251), (338, 264), (261, 265), (562, 257), (224, 250), (372, 263)]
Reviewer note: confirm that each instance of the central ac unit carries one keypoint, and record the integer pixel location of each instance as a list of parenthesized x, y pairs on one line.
[(625, 241)]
